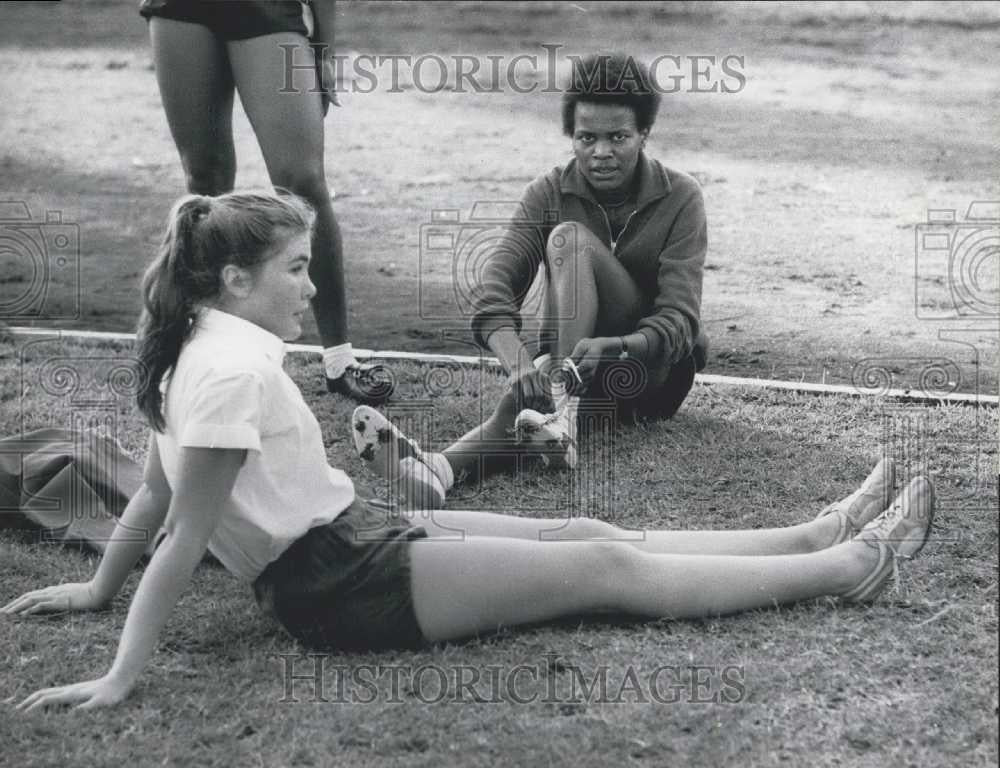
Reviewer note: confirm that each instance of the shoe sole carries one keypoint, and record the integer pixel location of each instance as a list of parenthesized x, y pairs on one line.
[(379, 393), (412, 480), (371, 432), (931, 503)]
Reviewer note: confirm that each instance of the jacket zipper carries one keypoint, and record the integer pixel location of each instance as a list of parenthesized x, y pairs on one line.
[(611, 238)]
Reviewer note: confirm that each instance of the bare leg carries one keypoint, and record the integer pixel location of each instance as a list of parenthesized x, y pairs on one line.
[(835, 523), (462, 588), (493, 440), (289, 128), (798, 539), (590, 292), (196, 87)]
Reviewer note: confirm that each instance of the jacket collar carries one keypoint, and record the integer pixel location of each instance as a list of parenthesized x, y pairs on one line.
[(653, 182), (239, 333)]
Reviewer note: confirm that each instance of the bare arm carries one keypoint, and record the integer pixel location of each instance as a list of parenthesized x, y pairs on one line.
[(139, 523), (205, 483)]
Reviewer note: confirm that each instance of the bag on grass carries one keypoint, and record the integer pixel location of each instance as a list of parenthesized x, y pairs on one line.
[(69, 485)]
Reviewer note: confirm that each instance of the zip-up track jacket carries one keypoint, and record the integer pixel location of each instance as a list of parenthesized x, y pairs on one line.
[(662, 246)]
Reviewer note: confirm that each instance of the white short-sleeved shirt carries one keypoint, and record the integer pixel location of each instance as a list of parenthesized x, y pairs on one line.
[(228, 390)]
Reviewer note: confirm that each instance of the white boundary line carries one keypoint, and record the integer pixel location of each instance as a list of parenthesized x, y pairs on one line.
[(707, 379)]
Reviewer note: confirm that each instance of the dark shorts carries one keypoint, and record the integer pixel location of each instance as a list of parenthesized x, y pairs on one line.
[(233, 19), (638, 391), (346, 585)]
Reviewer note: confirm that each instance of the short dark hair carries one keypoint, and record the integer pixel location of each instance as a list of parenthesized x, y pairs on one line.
[(610, 78)]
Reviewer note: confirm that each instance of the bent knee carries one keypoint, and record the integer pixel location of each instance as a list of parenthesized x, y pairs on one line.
[(571, 240), (304, 182), (613, 558), (584, 528)]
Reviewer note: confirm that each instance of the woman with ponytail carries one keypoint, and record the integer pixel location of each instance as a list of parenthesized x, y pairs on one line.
[(203, 234), (237, 465)]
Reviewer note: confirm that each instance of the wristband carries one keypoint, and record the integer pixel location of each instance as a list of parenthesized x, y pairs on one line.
[(623, 355)]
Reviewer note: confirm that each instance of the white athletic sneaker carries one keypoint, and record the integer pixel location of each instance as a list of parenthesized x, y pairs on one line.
[(865, 504), (396, 459), (899, 533), (551, 435)]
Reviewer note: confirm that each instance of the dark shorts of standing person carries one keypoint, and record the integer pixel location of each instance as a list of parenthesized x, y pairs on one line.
[(345, 586), (235, 19)]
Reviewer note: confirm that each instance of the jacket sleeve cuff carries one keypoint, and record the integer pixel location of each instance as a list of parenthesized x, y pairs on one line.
[(484, 326), (674, 348), (652, 336)]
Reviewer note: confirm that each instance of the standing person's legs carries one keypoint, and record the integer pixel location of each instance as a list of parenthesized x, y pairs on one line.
[(196, 87), (289, 128)]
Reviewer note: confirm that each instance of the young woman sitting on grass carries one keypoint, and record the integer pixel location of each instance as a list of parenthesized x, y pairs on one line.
[(236, 464)]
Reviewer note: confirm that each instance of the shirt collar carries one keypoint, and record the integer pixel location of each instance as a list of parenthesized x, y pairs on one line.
[(238, 331), (653, 182)]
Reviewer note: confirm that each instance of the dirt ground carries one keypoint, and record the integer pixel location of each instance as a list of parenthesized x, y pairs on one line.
[(853, 121)]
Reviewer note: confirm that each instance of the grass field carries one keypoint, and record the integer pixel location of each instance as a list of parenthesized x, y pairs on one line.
[(910, 680), (855, 120)]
